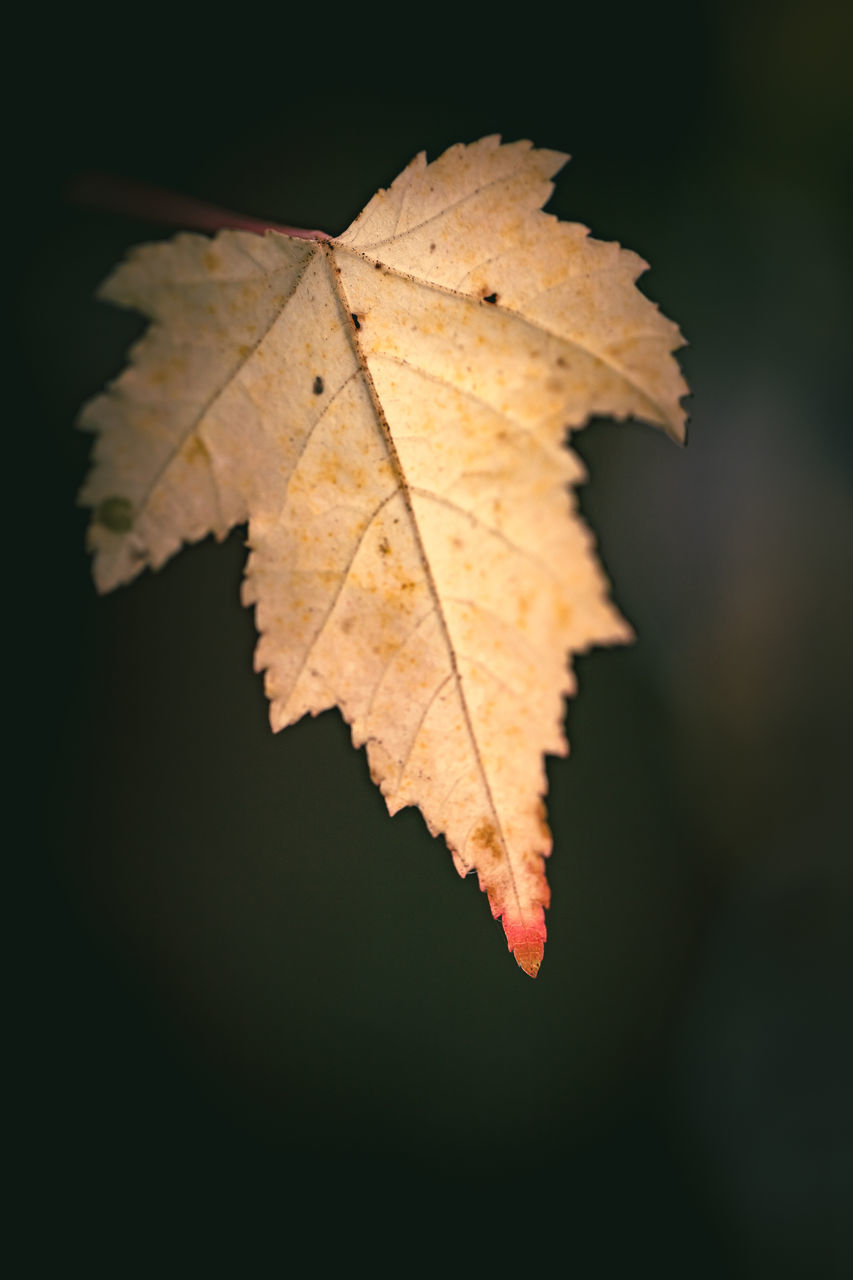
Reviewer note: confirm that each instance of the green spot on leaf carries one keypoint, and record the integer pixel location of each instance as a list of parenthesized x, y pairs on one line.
[(115, 514)]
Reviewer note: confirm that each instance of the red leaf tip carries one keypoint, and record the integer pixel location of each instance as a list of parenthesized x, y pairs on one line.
[(527, 944)]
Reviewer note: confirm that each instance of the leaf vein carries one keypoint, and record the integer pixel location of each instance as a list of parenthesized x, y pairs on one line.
[(342, 575), (470, 195), (525, 552), (421, 721)]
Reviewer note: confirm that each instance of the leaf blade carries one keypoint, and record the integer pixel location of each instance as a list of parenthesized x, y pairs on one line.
[(388, 409)]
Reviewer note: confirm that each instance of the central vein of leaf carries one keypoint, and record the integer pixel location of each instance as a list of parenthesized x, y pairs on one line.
[(352, 327)]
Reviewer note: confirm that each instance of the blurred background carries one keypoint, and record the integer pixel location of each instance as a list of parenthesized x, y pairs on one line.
[(246, 987)]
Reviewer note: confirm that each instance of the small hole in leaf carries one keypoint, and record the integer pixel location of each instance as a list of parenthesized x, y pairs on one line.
[(355, 320), (318, 386), (490, 297)]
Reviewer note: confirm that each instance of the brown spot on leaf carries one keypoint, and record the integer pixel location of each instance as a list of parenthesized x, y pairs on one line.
[(487, 841), (195, 450), (168, 371), (385, 547), (542, 823)]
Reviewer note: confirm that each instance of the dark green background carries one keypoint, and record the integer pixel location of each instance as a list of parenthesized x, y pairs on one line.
[(245, 987)]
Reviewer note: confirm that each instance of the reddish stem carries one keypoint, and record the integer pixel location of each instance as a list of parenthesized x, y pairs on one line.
[(152, 204)]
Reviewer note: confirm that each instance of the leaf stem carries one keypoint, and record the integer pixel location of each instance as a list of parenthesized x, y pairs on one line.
[(153, 204)]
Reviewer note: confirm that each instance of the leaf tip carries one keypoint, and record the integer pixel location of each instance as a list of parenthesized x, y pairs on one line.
[(527, 944), (676, 429), (529, 957), (677, 420)]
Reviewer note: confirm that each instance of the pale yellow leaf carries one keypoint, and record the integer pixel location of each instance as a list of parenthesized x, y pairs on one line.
[(388, 411)]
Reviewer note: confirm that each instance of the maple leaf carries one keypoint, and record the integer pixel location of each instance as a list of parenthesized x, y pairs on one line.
[(388, 411)]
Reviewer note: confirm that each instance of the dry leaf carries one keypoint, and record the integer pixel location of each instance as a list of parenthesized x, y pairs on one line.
[(388, 410)]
